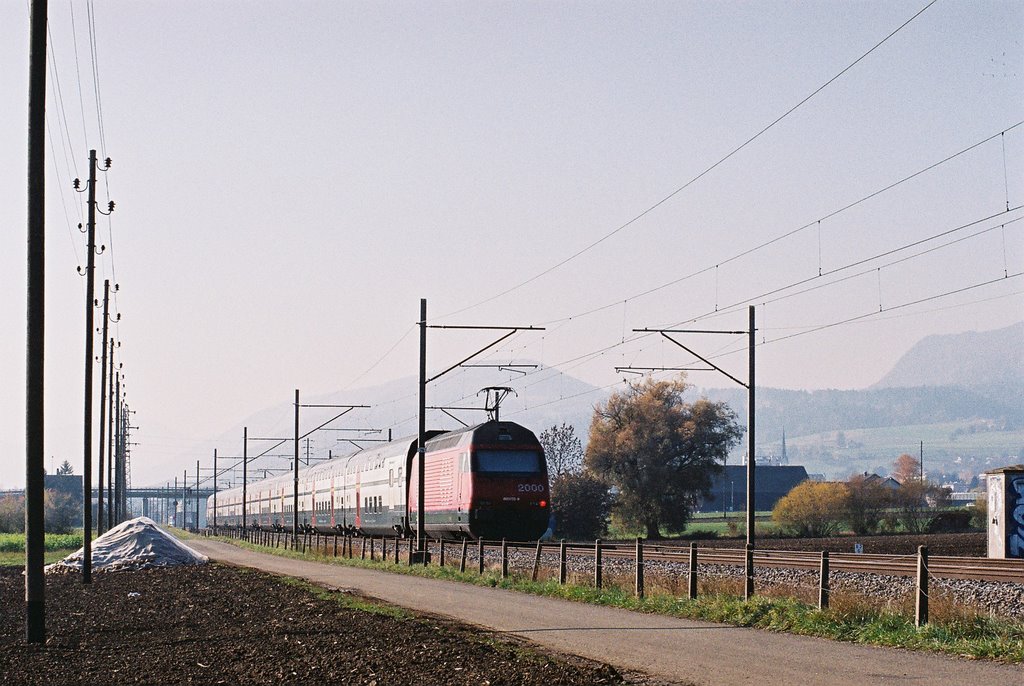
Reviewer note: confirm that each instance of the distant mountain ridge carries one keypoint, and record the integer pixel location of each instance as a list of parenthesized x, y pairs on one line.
[(988, 362), (971, 380)]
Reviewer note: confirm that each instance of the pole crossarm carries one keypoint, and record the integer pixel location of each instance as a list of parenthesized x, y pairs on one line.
[(642, 370), (705, 360), (733, 333), (348, 409), (459, 409), (517, 368), (509, 329)]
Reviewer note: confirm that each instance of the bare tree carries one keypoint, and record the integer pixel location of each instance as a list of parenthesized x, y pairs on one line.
[(563, 450), (906, 468)]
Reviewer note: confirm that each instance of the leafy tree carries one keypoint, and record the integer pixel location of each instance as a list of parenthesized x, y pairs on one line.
[(60, 511), (581, 503), (12, 514), (906, 468), (866, 504), (65, 468), (913, 505), (562, 449), (813, 508), (659, 451)]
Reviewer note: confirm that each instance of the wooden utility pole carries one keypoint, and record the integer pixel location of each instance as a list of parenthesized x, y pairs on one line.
[(35, 584), (110, 439), (103, 407), (90, 287), (118, 449)]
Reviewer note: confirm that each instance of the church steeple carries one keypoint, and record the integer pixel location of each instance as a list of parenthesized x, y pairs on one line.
[(783, 459)]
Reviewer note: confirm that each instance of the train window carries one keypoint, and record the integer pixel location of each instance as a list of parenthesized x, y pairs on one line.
[(518, 461), (391, 477)]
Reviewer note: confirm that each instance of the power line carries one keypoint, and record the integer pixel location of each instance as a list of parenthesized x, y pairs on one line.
[(791, 232), (891, 308), (78, 74), (94, 55), (696, 178)]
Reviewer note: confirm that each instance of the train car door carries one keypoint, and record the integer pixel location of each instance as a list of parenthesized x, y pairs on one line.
[(359, 503)]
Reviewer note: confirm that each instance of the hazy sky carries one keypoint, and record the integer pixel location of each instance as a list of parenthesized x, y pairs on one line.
[(291, 178)]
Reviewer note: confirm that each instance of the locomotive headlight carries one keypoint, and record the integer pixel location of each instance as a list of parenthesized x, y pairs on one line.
[(543, 503)]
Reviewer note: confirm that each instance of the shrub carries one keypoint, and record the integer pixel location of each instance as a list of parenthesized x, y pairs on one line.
[(813, 509), (12, 514), (581, 504)]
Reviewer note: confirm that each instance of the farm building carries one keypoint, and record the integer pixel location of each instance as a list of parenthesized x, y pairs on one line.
[(729, 489)]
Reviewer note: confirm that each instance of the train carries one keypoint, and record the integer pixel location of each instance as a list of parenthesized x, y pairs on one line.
[(487, 481)]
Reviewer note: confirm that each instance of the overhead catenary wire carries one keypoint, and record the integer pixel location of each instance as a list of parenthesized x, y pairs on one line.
[(771, 241), (694, 179)]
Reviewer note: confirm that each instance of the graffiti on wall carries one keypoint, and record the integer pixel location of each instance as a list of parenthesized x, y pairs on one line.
[(1015, 527)]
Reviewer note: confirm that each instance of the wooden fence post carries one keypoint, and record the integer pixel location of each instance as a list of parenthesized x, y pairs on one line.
[(748, 564), (639, 567), (823, 586), (692, 573), (504, 559), (440, 562), (536, 560), (411, 541), (563, 568), (372, 539), (362, 551), (462, 563), (597, 564), (921, 614), (480, 561)]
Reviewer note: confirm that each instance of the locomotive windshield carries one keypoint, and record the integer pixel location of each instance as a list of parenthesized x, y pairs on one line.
[(518, 461)]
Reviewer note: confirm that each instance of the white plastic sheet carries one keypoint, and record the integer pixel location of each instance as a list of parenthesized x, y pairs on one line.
[(135, 544)]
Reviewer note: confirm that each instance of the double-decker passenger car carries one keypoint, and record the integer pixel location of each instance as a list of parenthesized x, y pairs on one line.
[(485, 481)]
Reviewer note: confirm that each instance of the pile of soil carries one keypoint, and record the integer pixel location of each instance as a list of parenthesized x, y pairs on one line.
[(214, 624)]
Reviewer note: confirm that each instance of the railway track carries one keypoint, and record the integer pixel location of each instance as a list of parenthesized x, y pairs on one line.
[(939, 566), (944, 567)]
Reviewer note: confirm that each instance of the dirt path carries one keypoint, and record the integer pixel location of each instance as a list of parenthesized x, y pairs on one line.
[(665, 648)]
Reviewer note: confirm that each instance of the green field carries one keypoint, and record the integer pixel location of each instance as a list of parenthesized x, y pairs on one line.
[(950, 445), (15, 543)]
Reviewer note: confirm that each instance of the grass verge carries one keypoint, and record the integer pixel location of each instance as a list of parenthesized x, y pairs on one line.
[(959, 632)]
